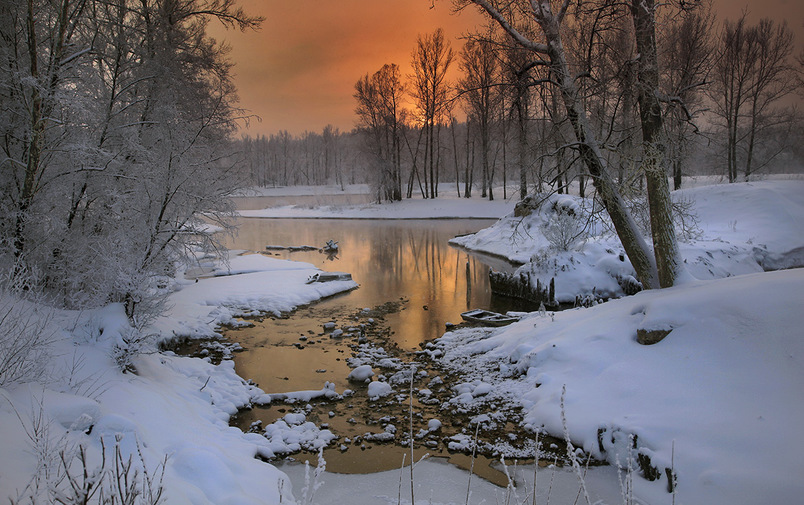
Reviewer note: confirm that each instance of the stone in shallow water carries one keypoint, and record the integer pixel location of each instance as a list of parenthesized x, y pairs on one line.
[(361, 373)]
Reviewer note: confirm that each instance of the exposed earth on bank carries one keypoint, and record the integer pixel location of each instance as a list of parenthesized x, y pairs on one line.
[(328, 344)]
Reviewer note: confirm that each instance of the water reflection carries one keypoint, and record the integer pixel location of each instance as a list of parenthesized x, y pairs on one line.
[(391, 259)]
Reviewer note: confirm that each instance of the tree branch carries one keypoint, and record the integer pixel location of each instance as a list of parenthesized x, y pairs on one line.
[(513, 32)]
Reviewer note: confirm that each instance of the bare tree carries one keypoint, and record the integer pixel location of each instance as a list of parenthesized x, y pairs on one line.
[(752, 73), (516, 67), (379, 110), (586, 142), (686, 52), (482, 99), (431, 60), (773, 79)]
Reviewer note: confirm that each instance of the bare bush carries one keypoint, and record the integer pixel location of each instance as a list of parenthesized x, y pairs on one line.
[(24, 335), (684, 217), (66, 475), (567, 227), (132, 343)]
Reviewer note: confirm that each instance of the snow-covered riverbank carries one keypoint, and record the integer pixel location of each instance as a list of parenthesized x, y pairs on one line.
[(718, 400), (172, 413), (730, 229)]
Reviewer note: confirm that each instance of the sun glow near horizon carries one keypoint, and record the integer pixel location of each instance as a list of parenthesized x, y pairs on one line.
[(297, 73)]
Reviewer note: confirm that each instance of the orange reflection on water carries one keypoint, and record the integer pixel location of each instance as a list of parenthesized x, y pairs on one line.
[(391, 260)]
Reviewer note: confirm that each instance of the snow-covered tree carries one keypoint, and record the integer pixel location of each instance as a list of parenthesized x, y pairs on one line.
[(380, 115), (115, 149)]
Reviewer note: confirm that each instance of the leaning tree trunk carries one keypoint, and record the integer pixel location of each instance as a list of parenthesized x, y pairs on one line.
[(665, 247), (635, 246)]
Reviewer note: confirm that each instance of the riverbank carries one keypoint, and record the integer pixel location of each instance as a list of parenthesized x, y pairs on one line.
[(169, 414), (443, 207), (725, 230), (718, 400)]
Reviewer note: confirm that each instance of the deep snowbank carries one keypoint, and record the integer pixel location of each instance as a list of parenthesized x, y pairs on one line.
[(722, 390)]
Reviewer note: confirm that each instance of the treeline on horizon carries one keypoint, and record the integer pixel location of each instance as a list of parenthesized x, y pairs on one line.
[(727, 92)]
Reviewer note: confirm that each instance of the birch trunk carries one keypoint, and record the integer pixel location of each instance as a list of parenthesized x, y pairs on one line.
[(635, 246)]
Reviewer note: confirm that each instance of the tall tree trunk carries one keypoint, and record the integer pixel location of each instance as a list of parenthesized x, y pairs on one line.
[(455, 158), (522, 160), (635, 246), (487, 164), (665, 247), (437, 176), (505, 164), (677, 160), (467, 178), (432, 159), (426, 158), (749, 156), (484, 148), (34, 148)]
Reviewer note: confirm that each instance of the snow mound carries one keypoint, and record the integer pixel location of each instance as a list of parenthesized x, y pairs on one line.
[(294, 433), (378, 390), (720, 394), (733, 229), (361, 374)]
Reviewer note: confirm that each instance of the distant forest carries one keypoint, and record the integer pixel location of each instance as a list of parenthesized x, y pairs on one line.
[(728, 91)]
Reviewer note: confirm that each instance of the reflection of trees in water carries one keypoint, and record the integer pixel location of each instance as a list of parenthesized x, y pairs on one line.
[(389, 258), (426, 254), (386, 253), (418, 258)]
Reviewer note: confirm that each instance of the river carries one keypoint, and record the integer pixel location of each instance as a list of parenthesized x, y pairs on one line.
[(412, 283)]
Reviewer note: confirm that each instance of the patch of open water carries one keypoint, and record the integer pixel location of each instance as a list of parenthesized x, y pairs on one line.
[(412, 283)]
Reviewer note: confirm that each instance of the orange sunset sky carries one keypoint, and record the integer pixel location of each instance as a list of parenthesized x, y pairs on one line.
[(298, 71)]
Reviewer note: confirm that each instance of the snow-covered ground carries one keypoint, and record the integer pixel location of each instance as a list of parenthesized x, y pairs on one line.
[(305, 190), (172, 407), (718, 400), (733, 229), (447, 206), (439, 483)]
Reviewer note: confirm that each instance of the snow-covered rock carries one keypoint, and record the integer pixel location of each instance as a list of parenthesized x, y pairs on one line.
[(361, 374), (378, 389)]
